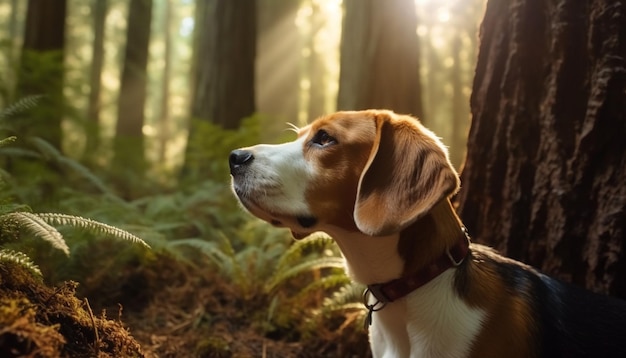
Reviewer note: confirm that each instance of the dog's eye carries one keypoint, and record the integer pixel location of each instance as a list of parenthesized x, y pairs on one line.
[(322, 138)]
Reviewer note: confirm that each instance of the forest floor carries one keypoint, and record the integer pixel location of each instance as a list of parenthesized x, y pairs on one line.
[(169, 309)]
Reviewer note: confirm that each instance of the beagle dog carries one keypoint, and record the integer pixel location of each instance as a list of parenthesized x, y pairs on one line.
[(379, 183)]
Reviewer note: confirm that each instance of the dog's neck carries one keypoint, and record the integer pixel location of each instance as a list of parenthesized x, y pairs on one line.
[(429, 237), (373, 260)]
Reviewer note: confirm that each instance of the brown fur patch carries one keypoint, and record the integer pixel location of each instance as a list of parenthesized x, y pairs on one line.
[(429, 237), (509, 328), (407, 173), (338, 167)]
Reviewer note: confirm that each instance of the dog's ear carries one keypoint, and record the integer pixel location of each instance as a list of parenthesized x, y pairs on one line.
[(407, 173)]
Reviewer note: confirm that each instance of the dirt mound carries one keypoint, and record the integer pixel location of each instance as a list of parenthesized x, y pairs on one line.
[(37, 320)]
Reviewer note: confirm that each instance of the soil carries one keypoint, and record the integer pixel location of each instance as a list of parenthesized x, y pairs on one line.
[(164, 309)]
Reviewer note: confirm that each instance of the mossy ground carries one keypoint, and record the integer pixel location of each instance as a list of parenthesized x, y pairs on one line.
[(41, 321), (164, 309)]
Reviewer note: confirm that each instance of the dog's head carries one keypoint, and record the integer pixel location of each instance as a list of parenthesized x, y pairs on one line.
[(372, 171)]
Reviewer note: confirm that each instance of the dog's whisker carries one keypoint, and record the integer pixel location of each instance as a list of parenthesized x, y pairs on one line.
[(292, 127)]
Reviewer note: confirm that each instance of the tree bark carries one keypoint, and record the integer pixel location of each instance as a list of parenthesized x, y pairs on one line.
[(99, 12), (222, 74), (129, 141), (545, 175), (315, 68), (223, 70), (380, 57), (164, 108), (278, 60), (41, 69)]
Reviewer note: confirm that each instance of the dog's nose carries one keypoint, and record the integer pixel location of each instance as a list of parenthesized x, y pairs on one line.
[(239, 158)]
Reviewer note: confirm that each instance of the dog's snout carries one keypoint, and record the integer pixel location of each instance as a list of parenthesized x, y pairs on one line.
[(239, 158)]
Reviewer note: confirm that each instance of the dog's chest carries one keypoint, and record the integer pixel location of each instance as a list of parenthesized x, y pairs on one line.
[(430, 322)]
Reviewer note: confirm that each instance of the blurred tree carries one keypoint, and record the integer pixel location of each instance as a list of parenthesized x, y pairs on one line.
[(223, 68), (99, 13), (164, 109), (129, 141), (222, 72), (13, 34), (315, 66), (380, 57), (278, 60), (41, 69), (545, 176)]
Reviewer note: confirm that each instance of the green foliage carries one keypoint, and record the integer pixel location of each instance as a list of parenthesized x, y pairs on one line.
[(91, 225), (291, 262), (39, 225), (200, 222), (18, 218), (21, 259), (20, 106), (208, 149), (292, 275), (36, 226)]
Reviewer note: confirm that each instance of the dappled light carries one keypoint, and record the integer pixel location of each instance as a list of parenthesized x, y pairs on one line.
[(127, 128)]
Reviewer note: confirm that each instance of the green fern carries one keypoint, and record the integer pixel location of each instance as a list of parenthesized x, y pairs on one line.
[(306, 266), (49, 152), (37, 226), (314, 243), (90, 225), (349, 296), (20, 259), (21, 105), (7, 141)]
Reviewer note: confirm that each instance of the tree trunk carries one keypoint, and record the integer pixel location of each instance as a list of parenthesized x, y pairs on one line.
[(222, 74), (380, 57), (164, 108), (460, 115), (41, 69), (99, 12), (129, 154), (315, 68), (545, 175), (223, 70), (278, 60)]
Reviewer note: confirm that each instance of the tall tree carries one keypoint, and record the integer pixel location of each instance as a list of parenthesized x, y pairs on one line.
[(41, 68), (278, 59), (164, 108), (380, 56), (222, 73), (129, 141), (545, 175), (99, 12), (315, 66), (223, 69)]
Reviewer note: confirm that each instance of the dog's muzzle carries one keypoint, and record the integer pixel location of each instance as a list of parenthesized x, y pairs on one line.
[(239, 159)]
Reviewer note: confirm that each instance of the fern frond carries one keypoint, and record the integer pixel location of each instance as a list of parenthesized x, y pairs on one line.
[(90, 225), (21, 259), (346, 297), (38, 227), (315, 242), (21, 105), (7, 141), (51, 153), (309, 265), (324, 283), (206, 247)]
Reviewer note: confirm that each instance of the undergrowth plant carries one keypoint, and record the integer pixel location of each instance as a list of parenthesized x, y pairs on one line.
[(290, 285), (17, 220), (272, 266)]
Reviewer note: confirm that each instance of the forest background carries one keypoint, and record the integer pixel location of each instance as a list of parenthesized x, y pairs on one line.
[(125, 112)]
